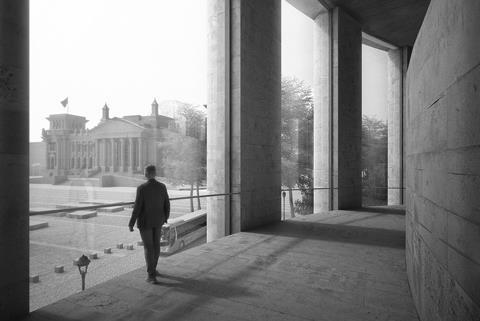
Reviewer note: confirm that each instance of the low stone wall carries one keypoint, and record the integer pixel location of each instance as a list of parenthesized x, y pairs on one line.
[(113, 180)]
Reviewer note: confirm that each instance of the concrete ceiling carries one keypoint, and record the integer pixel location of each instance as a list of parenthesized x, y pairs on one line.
[(394, 21)]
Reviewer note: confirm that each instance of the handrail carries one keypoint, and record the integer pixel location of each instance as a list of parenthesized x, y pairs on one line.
[(92, 207), (322, 188)]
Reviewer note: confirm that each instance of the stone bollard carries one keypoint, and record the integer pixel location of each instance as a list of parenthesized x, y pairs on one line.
[(119, 245), (59, 269), (108, 250), (93, 256), (35, 278), (129, 246), (140, 243)]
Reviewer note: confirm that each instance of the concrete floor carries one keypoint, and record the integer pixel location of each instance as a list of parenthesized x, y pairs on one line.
[(342, 265)]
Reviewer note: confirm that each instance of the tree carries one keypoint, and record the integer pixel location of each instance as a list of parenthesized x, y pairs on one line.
[(374, 159), (183, 161), (195, 119), (297, 116)]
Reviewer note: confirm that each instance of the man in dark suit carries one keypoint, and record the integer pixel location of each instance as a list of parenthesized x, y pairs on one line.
[(151, 211)]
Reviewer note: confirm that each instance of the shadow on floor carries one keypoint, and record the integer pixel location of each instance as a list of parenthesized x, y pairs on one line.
[(382, 210), (337, 233), (172, 298)]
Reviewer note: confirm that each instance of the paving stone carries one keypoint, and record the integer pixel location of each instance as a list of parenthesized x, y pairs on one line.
[(59, 269), (35, 225), (111, 209), (82, 214), (34, 278), (282, 272)]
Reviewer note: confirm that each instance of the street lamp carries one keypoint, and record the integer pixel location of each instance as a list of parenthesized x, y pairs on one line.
[(82, 263)]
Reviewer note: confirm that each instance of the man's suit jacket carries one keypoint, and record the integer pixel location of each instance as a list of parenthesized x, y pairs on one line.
[(152, 205)]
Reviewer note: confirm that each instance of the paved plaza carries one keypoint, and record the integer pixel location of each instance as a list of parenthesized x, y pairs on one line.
[(342, 265), (66, 239)]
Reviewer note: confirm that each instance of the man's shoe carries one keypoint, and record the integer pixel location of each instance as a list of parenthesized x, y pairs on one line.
[(152, 280)]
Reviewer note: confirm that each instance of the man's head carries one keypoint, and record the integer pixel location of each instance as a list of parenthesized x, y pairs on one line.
[(150, 171)]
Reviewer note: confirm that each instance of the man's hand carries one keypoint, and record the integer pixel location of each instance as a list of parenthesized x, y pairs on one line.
[(130, 228)]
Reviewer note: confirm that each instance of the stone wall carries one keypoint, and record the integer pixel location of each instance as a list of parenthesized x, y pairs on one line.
[(443, 163)]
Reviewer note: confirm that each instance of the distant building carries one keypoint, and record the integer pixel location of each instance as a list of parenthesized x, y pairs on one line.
[(37, 160), (116, 145)]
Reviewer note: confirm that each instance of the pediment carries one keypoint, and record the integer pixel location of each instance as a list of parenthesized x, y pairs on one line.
[(117, 128)]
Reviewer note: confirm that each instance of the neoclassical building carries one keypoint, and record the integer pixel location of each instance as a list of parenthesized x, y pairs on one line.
[(116, 145)]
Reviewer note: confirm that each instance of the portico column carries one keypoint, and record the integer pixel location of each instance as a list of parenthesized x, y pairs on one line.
[(395, 130), (140, 154), (74, 153), (14, 168), (131, 155), (105, 154), (113, 154), (95, 153), (122, 154)]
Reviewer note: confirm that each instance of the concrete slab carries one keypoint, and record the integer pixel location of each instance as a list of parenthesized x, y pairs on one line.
[(343, 265), (35, 225), (82, 214)]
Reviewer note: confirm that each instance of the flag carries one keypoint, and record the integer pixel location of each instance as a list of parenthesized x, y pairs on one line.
[(64, 102)]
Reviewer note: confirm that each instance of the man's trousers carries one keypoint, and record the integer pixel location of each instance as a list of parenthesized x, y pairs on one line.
[(151, 247)]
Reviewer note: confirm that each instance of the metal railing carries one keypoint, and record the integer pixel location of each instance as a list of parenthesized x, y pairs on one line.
[(93, 207), (97, 206)]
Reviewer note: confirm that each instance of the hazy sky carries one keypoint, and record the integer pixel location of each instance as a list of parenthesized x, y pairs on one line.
[(122, 52), (374, 82), (127, 52), (297, 61)]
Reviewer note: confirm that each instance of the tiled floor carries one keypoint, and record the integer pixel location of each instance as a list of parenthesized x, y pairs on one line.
[(342, 265)]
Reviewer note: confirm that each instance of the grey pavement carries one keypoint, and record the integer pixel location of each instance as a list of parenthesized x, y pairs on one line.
[(342, 265), (66, 239)]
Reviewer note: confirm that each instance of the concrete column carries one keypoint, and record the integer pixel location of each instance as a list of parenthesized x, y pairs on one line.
[(406, 52), (395, 130), (346, 116), (14, 133), (321, 114), (218, 120), (243, 144), (132, 156)]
